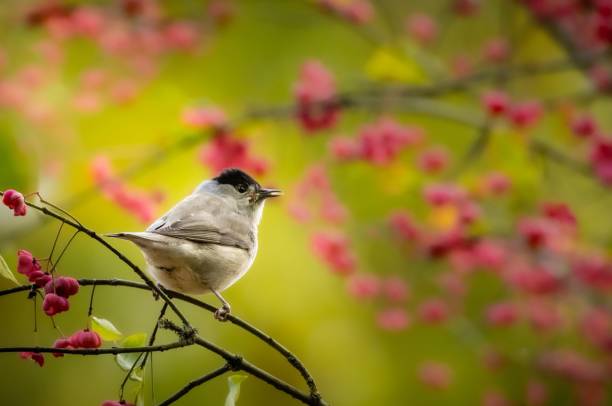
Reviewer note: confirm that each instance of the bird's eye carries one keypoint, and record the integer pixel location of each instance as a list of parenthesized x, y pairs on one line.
[(241, 188)]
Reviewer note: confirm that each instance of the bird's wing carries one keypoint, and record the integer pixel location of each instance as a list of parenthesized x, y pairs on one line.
[(207, 219)]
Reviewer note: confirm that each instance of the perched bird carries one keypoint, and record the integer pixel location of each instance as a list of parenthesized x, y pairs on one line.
[(209, 239)]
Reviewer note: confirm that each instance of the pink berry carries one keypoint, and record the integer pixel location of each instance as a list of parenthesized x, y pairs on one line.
[(584, 126), (34, 356), (63, 286), (26, 263), (15, 201), (61, 343), (496, 102), (54, 304), (85, 339)]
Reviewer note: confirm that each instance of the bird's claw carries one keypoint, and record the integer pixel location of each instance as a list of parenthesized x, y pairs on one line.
[(222, 313)]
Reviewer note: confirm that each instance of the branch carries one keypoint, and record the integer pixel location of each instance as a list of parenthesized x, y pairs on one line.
[(195, 383), (99, 351), (93, 235), (291, 358)]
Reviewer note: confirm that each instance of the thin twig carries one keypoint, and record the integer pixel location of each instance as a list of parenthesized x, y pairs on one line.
[(195, 383)]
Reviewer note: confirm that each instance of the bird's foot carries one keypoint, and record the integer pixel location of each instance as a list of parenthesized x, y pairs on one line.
[(222, 312)]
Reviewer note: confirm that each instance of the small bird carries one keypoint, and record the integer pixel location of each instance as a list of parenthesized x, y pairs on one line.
[(209, 239)]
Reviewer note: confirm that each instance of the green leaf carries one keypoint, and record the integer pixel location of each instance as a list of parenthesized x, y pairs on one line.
[(105, 328), (126, 361), (386, 65), (6, 272), (233, 382)]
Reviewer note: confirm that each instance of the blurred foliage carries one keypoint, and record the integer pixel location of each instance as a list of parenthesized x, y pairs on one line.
[(252, 63)]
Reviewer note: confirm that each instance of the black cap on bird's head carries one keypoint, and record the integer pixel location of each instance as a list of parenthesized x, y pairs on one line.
[(243, 183)]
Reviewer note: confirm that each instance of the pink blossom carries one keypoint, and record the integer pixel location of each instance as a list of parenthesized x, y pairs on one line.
[(315, 92), (434, 160), (333, 249), (403, 225), (496, 50), (494, 398), (543, 316), (34, 356), (14, 201), (601, 160), (139, 203), (181, 35), (344, 148), (205, 117), (536, 393), (422, 28), (571, 365), (395, 289), (496, 102), (594, 272), (363, 286), (358, 11), (436, 375), (535, 280), (525, 114), (560, 213), (489, 254), (535, 231), (381, 142), (443, 194), (393, 319), (497, 183), (502, 314), (596, 326), (226, 151), (433, 311), (466, 7), (584, 126)]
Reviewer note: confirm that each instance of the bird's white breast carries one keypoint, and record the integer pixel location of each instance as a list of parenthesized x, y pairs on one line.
[(195, 268)]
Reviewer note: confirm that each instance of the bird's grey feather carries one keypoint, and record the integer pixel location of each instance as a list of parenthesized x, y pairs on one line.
[(206, 218)]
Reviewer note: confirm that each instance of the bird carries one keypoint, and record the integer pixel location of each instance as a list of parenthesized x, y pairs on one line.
[(208, 240)]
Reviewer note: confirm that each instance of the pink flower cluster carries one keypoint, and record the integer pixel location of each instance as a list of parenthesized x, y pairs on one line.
[(29, 266), (15, 201), (57, 289), (205, 117), (226, 151), (334, 249), (381, 142), (521, 115), (354, 11), (80, 339), (314, 197), (138, 203), (315, 92)]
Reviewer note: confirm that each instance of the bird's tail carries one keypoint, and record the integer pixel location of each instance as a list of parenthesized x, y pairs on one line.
[(140, 238)]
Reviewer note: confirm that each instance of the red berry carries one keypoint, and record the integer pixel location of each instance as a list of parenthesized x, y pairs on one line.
[(61, 343), (63, 286), (85, 339), (54, 304), (15, 201)]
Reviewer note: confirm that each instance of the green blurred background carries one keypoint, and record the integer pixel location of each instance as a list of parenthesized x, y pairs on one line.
[(253, 62)]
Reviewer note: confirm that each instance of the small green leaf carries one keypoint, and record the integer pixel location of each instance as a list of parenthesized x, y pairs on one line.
[(387, 65), (105, 328), (125, 361), (6, 272), (233, 382)]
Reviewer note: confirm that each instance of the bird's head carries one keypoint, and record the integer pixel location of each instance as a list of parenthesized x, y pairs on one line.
[(237, 185)]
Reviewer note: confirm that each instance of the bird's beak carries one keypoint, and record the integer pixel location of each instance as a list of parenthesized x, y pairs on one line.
[(266, 193)]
